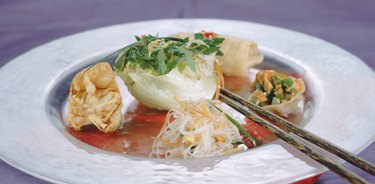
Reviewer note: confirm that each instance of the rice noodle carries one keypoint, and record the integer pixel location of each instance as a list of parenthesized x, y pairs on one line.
[(220, 79), (195, 130)]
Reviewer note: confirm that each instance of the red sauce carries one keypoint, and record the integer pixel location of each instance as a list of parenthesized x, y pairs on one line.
[(136, 136), (261, 134), (142, 125)]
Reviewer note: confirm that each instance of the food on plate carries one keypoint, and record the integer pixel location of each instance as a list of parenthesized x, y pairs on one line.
[(159, 71), (176, 82), (195, 130), (277, 91), (94, 98), (238, 54), (243, 55)]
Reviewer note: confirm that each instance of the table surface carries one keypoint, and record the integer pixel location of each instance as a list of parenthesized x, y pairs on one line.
[(26, 24)]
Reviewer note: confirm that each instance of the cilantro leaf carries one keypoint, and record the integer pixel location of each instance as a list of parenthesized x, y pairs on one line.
[(161, 61), (210, 50), (188, 57), (199, 36)]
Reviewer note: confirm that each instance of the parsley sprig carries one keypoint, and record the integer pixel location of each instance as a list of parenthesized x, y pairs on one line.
[(160, 55)]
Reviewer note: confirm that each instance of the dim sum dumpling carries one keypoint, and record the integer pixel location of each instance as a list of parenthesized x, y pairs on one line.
[(239, 54), (94, 98), (277, 92)]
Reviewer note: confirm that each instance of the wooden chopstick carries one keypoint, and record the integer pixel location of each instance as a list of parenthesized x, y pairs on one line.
[(350, 157), (338, 169)]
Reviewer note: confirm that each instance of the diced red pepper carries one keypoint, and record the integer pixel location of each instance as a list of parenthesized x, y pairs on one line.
[(209, 34)]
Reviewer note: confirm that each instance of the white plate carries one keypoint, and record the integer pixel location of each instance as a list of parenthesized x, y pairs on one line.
[(32, 141)]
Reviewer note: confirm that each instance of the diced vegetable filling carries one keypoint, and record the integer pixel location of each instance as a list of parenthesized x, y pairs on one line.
[(273, 87)]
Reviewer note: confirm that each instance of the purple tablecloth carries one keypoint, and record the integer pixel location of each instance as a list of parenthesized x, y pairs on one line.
[(25, 24)]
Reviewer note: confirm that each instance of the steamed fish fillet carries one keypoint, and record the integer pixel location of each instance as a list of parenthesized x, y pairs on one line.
[(94, 98)]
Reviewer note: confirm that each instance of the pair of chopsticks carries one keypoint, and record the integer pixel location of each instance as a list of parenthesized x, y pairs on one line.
[(251, 111)]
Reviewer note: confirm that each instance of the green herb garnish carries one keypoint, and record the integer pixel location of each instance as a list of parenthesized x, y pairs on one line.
[(159, 55)]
